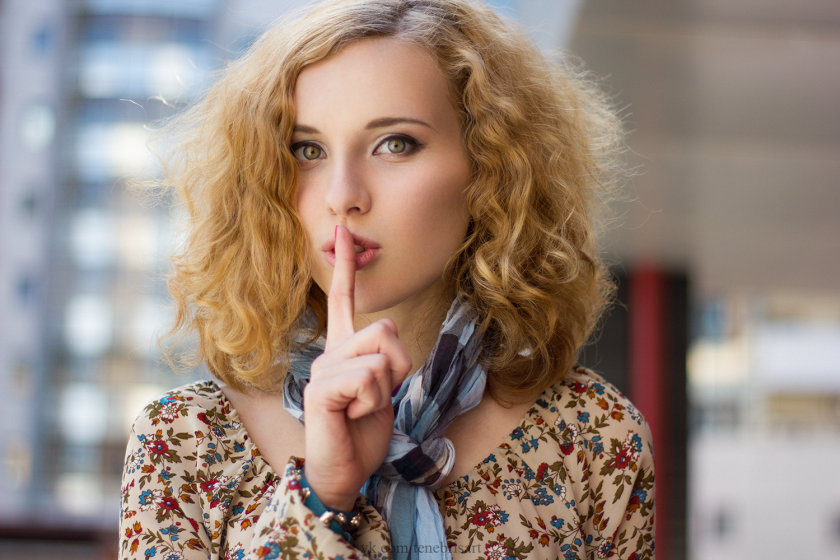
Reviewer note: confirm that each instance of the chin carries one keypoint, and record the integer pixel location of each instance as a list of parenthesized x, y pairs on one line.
[(374, 303)]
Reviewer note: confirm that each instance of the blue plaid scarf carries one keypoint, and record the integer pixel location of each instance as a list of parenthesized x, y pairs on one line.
[(450, 382)]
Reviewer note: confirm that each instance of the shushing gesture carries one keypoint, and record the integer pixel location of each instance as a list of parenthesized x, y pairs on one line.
[(349, 416)]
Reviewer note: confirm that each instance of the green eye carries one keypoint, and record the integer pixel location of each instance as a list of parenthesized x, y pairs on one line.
[(310, 151), (395, 145)]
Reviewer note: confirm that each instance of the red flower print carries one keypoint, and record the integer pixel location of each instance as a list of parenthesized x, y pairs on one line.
[(159, 446), (209, 485), (168, 502), (482, 516), (566, 447), (203, 417), (622, 459), (541, 470), (580, 387)]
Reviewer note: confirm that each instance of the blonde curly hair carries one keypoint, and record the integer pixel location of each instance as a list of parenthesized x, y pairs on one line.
[(544, 147)]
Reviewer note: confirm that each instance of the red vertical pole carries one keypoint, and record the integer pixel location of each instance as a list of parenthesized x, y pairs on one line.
[(648, 380)]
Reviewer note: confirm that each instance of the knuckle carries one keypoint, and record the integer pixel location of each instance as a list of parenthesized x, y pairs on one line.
[(380, 362), (367, 377), (380, 329)]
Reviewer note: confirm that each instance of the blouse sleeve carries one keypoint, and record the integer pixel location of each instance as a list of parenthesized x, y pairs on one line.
[(164, 515), (614, 451), (289, 529), (159, 517)]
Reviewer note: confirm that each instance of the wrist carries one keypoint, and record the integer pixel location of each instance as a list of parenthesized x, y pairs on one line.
[(341, 521), (337, 502)]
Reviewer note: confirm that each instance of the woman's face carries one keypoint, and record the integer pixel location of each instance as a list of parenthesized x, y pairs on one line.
[(380, 152)]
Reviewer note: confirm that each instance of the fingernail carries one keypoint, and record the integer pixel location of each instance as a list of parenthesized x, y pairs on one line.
[(396, 390)]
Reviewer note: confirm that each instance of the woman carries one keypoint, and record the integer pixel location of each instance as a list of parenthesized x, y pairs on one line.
[(391, 207)]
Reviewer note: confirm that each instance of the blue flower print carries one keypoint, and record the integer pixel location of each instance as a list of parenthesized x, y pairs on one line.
[(557, 522), (598, 388), (529, 474), (238, 447), (541, 497), (512, 488), (238, 508), (271, 551), (211, 456), (172, 531), (542, 403), (641, 494), (150, 552), (517, 433), (583, 417), (490, 459), (146, 498)]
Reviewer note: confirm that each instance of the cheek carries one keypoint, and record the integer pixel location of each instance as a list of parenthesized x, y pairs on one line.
[(307, 206), (441, 212)]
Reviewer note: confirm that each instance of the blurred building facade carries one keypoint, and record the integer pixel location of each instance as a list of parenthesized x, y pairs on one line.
[(731, 106), (82, 255)]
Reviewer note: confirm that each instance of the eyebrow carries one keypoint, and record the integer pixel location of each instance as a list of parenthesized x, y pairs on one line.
[(376, 123), (389, 121)]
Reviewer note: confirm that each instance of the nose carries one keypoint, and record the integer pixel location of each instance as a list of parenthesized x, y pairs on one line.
[(346, 192)]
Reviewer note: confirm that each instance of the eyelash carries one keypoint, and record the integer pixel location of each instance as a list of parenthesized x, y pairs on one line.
[(412, 146)]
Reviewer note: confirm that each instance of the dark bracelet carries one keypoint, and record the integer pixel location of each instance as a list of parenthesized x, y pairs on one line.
[(341, 522)]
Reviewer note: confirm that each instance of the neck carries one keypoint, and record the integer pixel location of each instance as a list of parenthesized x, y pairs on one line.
[(418, 324)]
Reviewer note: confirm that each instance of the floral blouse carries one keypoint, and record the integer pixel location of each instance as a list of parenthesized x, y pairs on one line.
[(573, 480)]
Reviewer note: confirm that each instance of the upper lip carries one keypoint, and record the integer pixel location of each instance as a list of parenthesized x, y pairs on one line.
[(329, 244)]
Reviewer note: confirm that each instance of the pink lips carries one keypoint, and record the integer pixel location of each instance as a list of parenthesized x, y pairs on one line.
[(372, 250)]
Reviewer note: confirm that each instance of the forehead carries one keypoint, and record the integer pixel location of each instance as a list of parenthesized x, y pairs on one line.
[(373, 78)]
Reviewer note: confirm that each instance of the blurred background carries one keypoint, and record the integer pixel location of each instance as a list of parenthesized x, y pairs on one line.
[(726, 251)]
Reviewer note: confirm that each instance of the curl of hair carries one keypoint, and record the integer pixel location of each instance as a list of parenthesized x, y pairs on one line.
[(545, 150)]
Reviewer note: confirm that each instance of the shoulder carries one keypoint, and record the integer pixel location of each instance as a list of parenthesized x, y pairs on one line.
[(584, 394), (183, 417), (195, 403), (594, 425)]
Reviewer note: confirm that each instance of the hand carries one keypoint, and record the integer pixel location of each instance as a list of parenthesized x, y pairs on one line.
[(349, 416)]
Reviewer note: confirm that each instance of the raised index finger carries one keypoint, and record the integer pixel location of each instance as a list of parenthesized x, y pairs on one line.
[(340, 300)]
